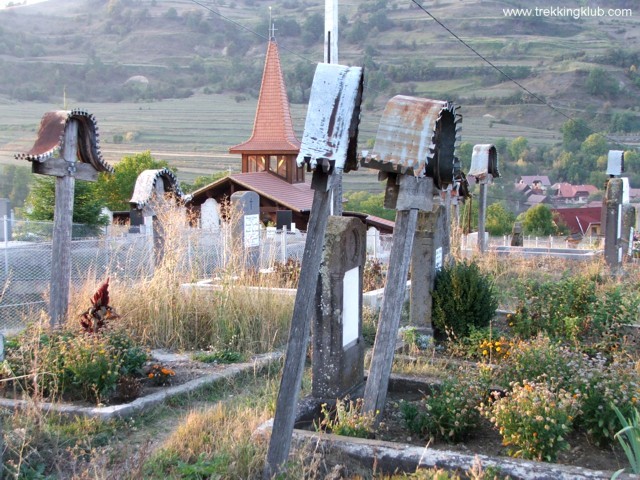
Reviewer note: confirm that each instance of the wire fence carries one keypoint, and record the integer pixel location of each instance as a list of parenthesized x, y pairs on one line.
[(25, 271)]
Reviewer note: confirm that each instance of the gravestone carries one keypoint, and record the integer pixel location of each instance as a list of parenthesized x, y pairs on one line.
[(338, 346), (247, 229), (210, 215), (517, 239), (373, 241)]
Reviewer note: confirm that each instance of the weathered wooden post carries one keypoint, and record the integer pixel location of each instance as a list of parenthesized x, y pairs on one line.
[(484, 167), (67, 148), (414, 152), (329, 142)]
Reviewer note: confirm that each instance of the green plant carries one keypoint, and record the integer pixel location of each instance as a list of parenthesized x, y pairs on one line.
[(573, 309), (416, 340), (529, 360), (71, 363), (347, 418), (219, 356), (462, 297), (450, 413), (629, 438), (607, 386), (534, 419)]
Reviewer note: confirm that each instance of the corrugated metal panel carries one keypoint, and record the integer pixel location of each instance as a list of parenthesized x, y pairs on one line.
[(417, 136), (145, 187), (615, 163), (331, 128), (51, 137), (484, 161)]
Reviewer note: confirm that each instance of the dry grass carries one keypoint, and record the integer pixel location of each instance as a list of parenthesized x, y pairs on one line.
[(160, 313)]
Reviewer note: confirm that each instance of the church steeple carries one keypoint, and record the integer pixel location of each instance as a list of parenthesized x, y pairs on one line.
[(273, 146)]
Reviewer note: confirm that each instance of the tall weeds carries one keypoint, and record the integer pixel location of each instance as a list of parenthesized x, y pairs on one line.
[(159, 312)]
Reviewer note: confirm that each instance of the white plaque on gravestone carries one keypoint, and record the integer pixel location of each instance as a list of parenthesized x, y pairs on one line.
[(350, 306), (438, 258), (252, 230)]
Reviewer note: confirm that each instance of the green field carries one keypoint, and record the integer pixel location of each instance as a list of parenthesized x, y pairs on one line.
[(194, 134)]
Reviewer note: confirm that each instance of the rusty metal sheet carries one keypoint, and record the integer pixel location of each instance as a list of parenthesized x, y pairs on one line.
[(50, 139), (417, 136), (484, 161), (615, 163), (331, 128), (147, 185)]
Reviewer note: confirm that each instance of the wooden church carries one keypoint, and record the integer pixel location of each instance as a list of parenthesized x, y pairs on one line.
[(268, 157)]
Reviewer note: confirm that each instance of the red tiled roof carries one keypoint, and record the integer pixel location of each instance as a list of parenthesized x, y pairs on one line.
[(579, 219), (297, 197), (272, 127), (566, 190)]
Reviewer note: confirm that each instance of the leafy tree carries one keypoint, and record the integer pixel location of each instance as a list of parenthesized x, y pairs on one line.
[(202, 181), (370, 203), (573, 133), (594, 145), (517, 147), (14, 184), (624, 122), (499, 220), (465, 150), (87, 209), (538, 220), (115, 190), (313, 29), (600, 83)]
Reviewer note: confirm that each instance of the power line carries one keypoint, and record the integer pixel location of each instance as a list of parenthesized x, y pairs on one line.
[(507, 76), (237, 24)]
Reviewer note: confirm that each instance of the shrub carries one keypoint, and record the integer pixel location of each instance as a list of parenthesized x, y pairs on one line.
[(573, 309), (462, 297), (534, 419), (348, 419), (72, 363), (451, 413), (606, 386), (529, 360)]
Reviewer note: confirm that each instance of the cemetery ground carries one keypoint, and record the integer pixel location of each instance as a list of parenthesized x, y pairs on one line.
[(540, 383)]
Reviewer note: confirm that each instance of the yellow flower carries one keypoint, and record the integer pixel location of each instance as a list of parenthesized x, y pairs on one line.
[(484, 352)]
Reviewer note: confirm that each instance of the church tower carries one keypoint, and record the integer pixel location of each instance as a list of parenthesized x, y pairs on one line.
[(273, 146)]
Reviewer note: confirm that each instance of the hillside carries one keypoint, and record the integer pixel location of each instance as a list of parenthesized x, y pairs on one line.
[(123, 55)]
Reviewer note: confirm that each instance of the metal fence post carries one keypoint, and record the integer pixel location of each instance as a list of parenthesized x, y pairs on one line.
[(283, 245), (5, 225)]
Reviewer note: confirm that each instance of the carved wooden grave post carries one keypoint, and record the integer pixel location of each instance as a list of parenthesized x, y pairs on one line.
[(329, 142), (484, 167), (150, 193), (66, 148), (338, 346), (414, 151)]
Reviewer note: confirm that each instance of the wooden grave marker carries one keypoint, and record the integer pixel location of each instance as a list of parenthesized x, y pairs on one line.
[(415, 153), (67, 148), (329, 142)]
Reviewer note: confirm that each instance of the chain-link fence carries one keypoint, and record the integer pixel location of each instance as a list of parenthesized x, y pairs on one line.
[(26, 264)]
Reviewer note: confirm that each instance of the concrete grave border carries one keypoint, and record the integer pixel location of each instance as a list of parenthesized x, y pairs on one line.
[(143, 403)]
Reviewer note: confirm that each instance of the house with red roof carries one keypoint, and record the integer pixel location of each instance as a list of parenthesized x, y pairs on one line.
[(582, 221), (567, 194)]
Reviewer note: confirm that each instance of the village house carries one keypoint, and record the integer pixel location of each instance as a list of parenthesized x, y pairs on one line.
[(567, 194)]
